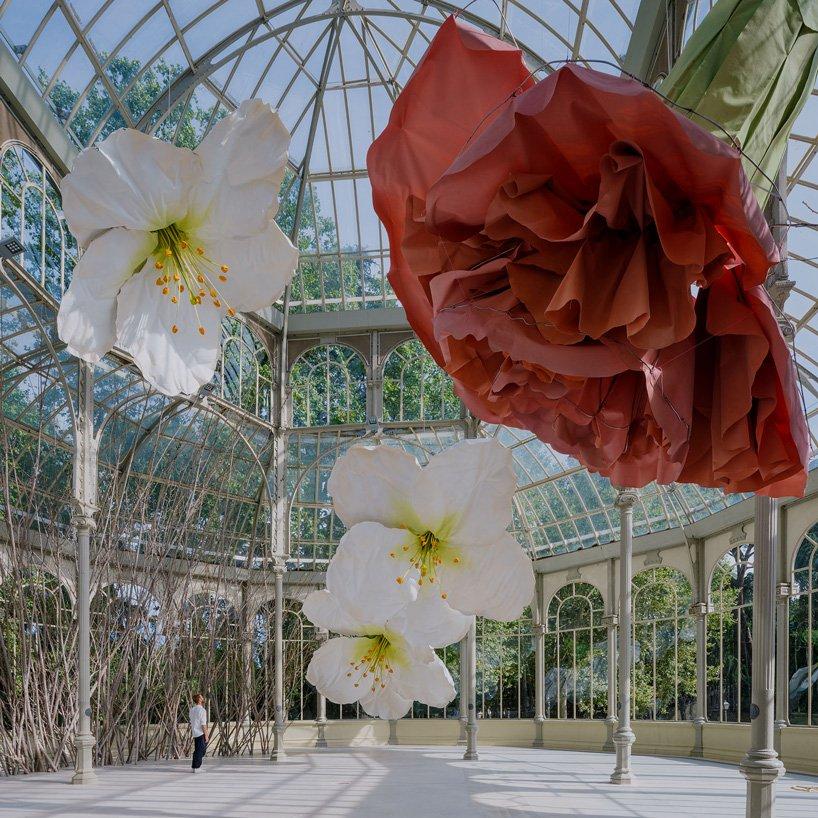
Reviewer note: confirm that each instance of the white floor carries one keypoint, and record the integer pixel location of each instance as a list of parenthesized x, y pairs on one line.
[(420, 782)]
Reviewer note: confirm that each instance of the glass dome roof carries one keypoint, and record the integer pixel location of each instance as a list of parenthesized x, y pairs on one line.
[(333, 68)]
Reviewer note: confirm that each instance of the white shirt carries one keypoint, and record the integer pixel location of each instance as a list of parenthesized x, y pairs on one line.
[(198, 720)]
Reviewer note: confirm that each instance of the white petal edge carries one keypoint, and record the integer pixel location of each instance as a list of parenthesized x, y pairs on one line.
[(174, 363), (243, 161), (374, 483), (261, 266), (363, 577), (385, 703), (430, 620), (86, 321), (466, 492), (494, 581), (129, 180), (328, 668), (427, 681), (324, 611)]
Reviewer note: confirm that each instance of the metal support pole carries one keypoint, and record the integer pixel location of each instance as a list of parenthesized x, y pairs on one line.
[(539, 661), (279, 753), (782, 673), (85, 497), (761, 767), (624, 736), (471, 721), (611, 622), (463, 648), (699, 611), (321, 718), (392, 741)]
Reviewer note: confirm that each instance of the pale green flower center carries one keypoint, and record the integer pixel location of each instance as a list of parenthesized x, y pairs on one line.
[(187, 273), (427, 553), (376, 663)]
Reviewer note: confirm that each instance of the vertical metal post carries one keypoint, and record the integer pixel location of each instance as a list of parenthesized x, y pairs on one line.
[(539, 660), (85, 501), (393, 733), (463, 649), (611, 622), (761, 767), (699, 610), (471, 720), (624, 737), (782, 642), (321, 717), (279, 753)]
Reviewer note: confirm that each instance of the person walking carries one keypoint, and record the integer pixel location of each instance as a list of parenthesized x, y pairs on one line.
[(198, 727)]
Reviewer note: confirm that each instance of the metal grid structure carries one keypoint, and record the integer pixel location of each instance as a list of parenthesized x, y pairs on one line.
[(174, 68)]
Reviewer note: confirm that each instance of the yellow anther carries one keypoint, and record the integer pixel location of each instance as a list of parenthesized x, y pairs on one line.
[(200, 278), (183, 244), (200, 250), (420, 582), (174, 299), (165, 290), (444, 596), (225, 268), (392, 554), (165, 278), (456, 560), (399, 580), (405, 547), (159, 264), (177, 277), (160, 281), (222, 278), (216, 302), (201, 330), (181, 288), (168, 251), (213, 293), (231, 312), (174, 329)]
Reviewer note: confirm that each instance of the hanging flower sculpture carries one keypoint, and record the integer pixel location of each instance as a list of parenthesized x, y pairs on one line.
[(175, 240), (551, 268), (381, 659), (442, 526)]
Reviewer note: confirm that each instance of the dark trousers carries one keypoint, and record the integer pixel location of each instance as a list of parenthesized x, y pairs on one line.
[(199, 747)]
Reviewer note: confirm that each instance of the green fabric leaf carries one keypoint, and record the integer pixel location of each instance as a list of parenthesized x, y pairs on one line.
[(748, 70)]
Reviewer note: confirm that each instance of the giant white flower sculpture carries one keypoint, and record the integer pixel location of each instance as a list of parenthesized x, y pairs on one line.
[(175, 240), (451, 517), (382, 659)]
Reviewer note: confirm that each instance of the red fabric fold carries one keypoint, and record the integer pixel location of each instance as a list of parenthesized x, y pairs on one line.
[(588, 264)]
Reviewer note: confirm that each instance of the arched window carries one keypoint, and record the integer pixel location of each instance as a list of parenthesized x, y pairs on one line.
[(245, 375), (31, 211), (729, 636), (803, 648), (576, 659), (415, 387), (328, 387), (300, 643), (664, 667), (505, 668)]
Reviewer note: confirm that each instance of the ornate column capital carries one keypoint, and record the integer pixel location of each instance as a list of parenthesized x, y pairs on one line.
[(699, 609), (539, 629), (611, 620), (625, 499), (783, 591), (84, 517)]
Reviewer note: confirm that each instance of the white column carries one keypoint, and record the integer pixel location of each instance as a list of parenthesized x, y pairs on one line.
[(279, 753), (393, 733), (463, 648), (85, 496), (761, 767), (699, 611), (611, 622), (471, 720), (539, 661), (321, 717), (84, 739), (624, 737), (782, 671)]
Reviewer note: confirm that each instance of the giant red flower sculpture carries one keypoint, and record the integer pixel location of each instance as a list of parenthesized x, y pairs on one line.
[(588, 264)]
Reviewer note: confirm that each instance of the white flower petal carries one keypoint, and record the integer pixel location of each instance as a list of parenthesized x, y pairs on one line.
[(243, 161), (324, 611), (261, 266), (86, 321), (430, 620), (363, 577), (174, 363), (129, 180), (425, 681), (329, 667), (495, 581), (465, 493), (374, 483), (385, 703)]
